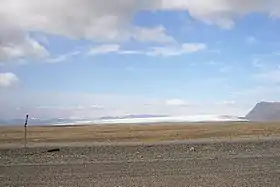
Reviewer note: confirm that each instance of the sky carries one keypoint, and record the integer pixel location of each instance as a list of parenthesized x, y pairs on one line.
[(94, 58)]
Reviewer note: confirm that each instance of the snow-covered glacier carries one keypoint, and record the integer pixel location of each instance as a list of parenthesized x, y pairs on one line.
[(128, 119), (169, 119)]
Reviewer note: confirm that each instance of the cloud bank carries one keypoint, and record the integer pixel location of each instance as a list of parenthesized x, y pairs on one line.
[(8, 79), (108, 21)]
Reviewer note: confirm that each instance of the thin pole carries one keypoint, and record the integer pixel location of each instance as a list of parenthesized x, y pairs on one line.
[(25, 133)]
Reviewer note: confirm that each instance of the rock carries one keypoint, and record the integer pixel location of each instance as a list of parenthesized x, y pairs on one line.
[(53, 150), (192, 149)]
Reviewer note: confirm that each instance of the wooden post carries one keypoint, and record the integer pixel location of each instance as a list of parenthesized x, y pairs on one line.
[(25, 133)]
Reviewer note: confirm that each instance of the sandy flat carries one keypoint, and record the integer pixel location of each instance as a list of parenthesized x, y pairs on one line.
[(138, 132), (216, 154)]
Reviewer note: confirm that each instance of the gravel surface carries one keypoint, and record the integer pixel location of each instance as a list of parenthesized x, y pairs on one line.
[(237, 164)]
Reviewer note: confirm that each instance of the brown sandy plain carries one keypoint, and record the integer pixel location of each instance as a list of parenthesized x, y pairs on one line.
[(139, 132), (177, 155)]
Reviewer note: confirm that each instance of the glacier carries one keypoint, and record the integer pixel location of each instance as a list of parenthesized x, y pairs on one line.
[(129, 119), (170, 119)]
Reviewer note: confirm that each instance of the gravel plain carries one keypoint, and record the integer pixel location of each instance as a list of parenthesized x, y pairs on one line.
[(220, 163)]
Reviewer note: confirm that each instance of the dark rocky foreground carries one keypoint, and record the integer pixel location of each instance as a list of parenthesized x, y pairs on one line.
[(255, 163)]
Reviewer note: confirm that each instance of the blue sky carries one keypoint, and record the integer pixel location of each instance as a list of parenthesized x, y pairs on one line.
[(85, 59)]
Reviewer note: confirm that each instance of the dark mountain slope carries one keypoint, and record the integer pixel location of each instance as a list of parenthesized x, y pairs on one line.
[(265, 111)]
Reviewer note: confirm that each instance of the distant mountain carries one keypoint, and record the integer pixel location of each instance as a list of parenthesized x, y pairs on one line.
[(265, 111), (12, 121), (35, 121)]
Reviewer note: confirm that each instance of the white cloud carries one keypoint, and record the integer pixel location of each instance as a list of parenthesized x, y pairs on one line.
[(83, 105), (251, 40), (171, 50), (112, 20), (15, 44), (131, 52), (257, 63), (265, 87), (8, 79), (272, 76), (94, 20), (96, 107), (177, 50), (63, 58), (176, 102), (212, 63), (70, 108), (156, 34), (225, 69), (266, 62), (255, 94), (41, 39), (223, 12), (215, 51), (103, 49), (267, 55), (227, 102), (108, 21)]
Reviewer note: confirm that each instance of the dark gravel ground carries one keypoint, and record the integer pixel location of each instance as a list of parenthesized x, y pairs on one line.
[(247, 163)]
